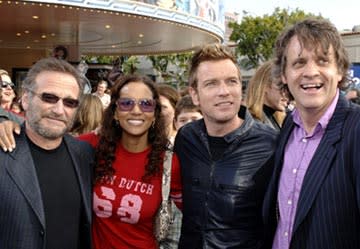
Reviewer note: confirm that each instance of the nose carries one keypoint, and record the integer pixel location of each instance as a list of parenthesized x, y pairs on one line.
[(223, 88), (58, 107), (136, 109), (311, 69)]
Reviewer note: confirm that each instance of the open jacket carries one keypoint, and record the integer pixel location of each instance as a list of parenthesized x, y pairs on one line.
[(22, 218), (328, 211), (222, 199)]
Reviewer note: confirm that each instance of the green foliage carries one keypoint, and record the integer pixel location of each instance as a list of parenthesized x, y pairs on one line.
[(130, 65), (177, 74), (99, 59), (255, 36)]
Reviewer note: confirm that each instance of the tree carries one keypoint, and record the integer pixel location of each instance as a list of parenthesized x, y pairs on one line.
[(255, 36), (172, 68)]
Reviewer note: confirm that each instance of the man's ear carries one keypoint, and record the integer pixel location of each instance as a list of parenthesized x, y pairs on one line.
[(194, 96), (25, 100)]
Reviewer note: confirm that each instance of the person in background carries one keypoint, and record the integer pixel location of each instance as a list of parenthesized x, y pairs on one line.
[(353, 94), (17, 108), (313, 198), (225, 160), (6, 115), (101, 93), (60, 52), (130, 149), (8, 90), (186, 112), (45, 183), (168, 98), (265, 99), (89, 115)]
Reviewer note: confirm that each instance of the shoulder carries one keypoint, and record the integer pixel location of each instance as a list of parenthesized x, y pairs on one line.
[(82, 146), (259, 129), (90, 138)]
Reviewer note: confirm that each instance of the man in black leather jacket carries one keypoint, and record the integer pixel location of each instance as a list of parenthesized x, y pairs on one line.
[(225, 159)]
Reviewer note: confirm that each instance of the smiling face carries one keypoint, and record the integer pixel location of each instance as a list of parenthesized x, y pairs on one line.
[(218, 93), (135, 123), (8, 94), (312, 77)]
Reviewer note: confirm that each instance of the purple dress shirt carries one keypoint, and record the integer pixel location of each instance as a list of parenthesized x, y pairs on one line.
[(299, 151)]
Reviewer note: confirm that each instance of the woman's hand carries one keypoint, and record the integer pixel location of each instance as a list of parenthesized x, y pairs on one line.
[(7, 129)]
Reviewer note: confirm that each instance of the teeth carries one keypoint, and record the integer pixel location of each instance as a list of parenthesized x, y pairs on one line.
[(311, 85), (135, 122), (224, 103)]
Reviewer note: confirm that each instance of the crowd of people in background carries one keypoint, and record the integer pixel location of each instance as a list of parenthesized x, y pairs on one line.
[(275, 167)]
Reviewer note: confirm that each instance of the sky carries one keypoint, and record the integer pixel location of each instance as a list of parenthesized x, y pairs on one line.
[(344, 14)]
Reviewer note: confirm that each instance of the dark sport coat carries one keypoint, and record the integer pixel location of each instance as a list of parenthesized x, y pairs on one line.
[(328, 211), (22, 218)]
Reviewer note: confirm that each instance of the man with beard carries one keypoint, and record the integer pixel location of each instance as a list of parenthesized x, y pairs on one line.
[(45, 183)]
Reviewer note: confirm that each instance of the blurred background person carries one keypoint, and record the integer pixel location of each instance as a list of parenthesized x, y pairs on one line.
[(101, 88), (168, 99), (6, 115), (353, 94), (89, 115), (186, 112), (265, 98), (8, 90), (60, 52)]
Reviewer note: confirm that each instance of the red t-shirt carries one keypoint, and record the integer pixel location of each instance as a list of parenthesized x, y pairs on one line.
[(124, 209)]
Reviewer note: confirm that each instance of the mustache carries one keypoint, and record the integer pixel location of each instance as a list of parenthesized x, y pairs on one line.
[(57, 117)]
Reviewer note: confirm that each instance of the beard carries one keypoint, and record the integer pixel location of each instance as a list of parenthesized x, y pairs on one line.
[(34, 118)]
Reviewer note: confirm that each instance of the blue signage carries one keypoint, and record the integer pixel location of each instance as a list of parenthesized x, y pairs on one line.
[(354, 73)]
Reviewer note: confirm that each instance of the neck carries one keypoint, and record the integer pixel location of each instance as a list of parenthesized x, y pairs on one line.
[(42, 142), (171, 132), (310, 119), (134, 143), (6, 105), (221, 129)]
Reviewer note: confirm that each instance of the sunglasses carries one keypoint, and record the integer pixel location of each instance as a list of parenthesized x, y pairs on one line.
[(5, 84), (127, 104), (53, 99)]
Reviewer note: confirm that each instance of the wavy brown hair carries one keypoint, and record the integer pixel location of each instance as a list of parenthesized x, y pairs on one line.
[(111, 132)]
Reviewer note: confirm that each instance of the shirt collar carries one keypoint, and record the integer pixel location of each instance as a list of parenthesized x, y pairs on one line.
[(325, 118)]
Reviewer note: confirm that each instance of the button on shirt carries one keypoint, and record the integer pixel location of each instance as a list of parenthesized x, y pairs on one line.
[(298, 154)]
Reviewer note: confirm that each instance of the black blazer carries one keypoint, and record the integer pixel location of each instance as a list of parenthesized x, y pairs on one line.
[(22, 218), (328, 211)]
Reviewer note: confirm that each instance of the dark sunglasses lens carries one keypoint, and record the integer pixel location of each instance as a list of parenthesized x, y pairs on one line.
[(72, 103), (125, 104), (5, 84), (49, 98), (147, 105), (53, 99)]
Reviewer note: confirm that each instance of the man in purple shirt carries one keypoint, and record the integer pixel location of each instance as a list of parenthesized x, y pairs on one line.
[(313, 200)]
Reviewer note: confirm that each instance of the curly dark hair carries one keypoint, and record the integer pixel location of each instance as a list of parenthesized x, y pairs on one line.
[(111, 131)]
